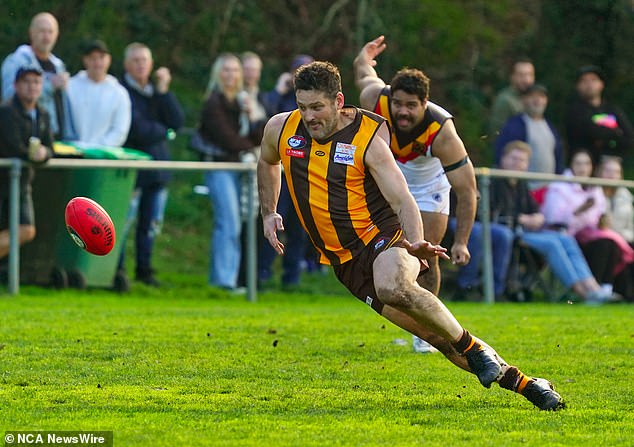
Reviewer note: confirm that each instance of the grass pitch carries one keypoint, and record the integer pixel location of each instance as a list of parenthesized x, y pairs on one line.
[(188, 366)]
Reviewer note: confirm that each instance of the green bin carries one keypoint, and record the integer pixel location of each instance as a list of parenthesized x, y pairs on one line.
[(53, 258)]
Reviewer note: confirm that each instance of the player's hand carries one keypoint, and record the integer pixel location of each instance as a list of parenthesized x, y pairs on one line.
[(272, 224), (372, 49), (425, 250), (460, 254)]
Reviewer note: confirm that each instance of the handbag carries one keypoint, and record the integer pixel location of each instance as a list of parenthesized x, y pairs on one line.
[(206, 150)]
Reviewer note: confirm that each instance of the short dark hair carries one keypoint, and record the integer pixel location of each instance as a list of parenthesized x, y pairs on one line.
[(321, 76), (411, 81)]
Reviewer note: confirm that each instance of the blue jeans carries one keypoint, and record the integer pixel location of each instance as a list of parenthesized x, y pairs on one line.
[(224, 252), (502, 245), (294, 247), (562, 254), (147, 206)]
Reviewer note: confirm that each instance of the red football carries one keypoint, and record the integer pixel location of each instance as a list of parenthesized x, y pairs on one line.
[(90, 226)]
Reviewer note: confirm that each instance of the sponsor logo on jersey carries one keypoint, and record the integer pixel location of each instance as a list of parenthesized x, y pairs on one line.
[(320, 153), (298, 153), (344, 154)]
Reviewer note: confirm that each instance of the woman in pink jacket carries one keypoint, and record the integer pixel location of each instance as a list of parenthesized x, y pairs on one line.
[(580, 210)]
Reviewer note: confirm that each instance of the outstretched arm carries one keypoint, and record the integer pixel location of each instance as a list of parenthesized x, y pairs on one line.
[(365, 76), (269, 181)]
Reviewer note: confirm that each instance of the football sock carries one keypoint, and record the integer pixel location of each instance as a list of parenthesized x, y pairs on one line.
[(514, 380), (466, 343)]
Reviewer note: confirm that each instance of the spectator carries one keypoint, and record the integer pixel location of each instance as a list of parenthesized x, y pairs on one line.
[(254, 101), (282, 99), (25, 132), (511, 203), (579, 210), (100, 106), (532, 127), (620, 215), (156, 114), (225, 123), (507, 102), (469, 275), (595, 124), (619, 206), (43, 33)]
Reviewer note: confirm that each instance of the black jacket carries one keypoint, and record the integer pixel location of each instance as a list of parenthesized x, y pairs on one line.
[(16, 128), (152, 116), (603, 130)]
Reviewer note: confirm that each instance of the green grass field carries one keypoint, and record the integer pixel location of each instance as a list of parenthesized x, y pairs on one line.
[(188, 366)]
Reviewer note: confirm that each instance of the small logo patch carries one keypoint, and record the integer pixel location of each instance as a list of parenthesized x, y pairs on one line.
[(368, 300), (380, 243), (297, 153), (320, 153), (297, 141), (344, 154), (436, 197)]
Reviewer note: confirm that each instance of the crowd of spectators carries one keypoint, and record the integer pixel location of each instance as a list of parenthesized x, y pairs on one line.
[(585, 234)]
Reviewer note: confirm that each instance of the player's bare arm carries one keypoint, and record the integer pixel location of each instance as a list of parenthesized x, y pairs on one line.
[(269, 181), (391, 182), (365, 76), (450, 150)]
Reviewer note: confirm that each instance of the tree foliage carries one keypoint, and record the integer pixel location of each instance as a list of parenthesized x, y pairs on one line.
[(465, 46)]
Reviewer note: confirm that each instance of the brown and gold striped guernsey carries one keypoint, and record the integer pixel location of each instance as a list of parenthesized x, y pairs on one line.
[(338, 202)]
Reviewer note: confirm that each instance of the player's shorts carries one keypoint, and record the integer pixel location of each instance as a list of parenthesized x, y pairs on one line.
[(357, 274), (433, 195), (27, 214)]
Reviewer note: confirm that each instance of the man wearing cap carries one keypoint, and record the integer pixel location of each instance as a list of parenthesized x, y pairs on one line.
[(532, 127), (25, 133), (594, 124), (100, 106), (43, 33)]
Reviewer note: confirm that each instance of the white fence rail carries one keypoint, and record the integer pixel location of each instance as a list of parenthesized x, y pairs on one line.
[(484, 176), (15, 166)]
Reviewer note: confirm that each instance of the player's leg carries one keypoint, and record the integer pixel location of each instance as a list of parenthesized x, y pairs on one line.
[(406, 322), (395, 272), (435, 226)]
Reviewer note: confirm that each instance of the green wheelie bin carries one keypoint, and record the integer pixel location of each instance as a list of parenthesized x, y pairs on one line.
[(53, 259)]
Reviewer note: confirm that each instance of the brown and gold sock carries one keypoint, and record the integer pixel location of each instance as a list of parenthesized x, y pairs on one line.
[(514, 380), (466, 343)]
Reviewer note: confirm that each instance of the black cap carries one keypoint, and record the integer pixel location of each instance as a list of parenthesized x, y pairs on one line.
[(536, 88), (95, 45), (590, 69), (27, 69)]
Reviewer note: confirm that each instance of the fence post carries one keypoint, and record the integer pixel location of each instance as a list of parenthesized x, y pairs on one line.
[(485, 220), (252, 248), (14, 226)]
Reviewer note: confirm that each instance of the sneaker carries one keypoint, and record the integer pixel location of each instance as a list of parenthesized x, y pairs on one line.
[(484, 365), (600, 296), (540, 392), (421, 346)]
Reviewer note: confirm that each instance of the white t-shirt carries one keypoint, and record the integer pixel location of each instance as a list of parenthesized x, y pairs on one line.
[(101, 110)]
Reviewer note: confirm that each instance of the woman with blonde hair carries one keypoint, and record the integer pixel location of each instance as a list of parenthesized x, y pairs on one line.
[(225, 126)]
